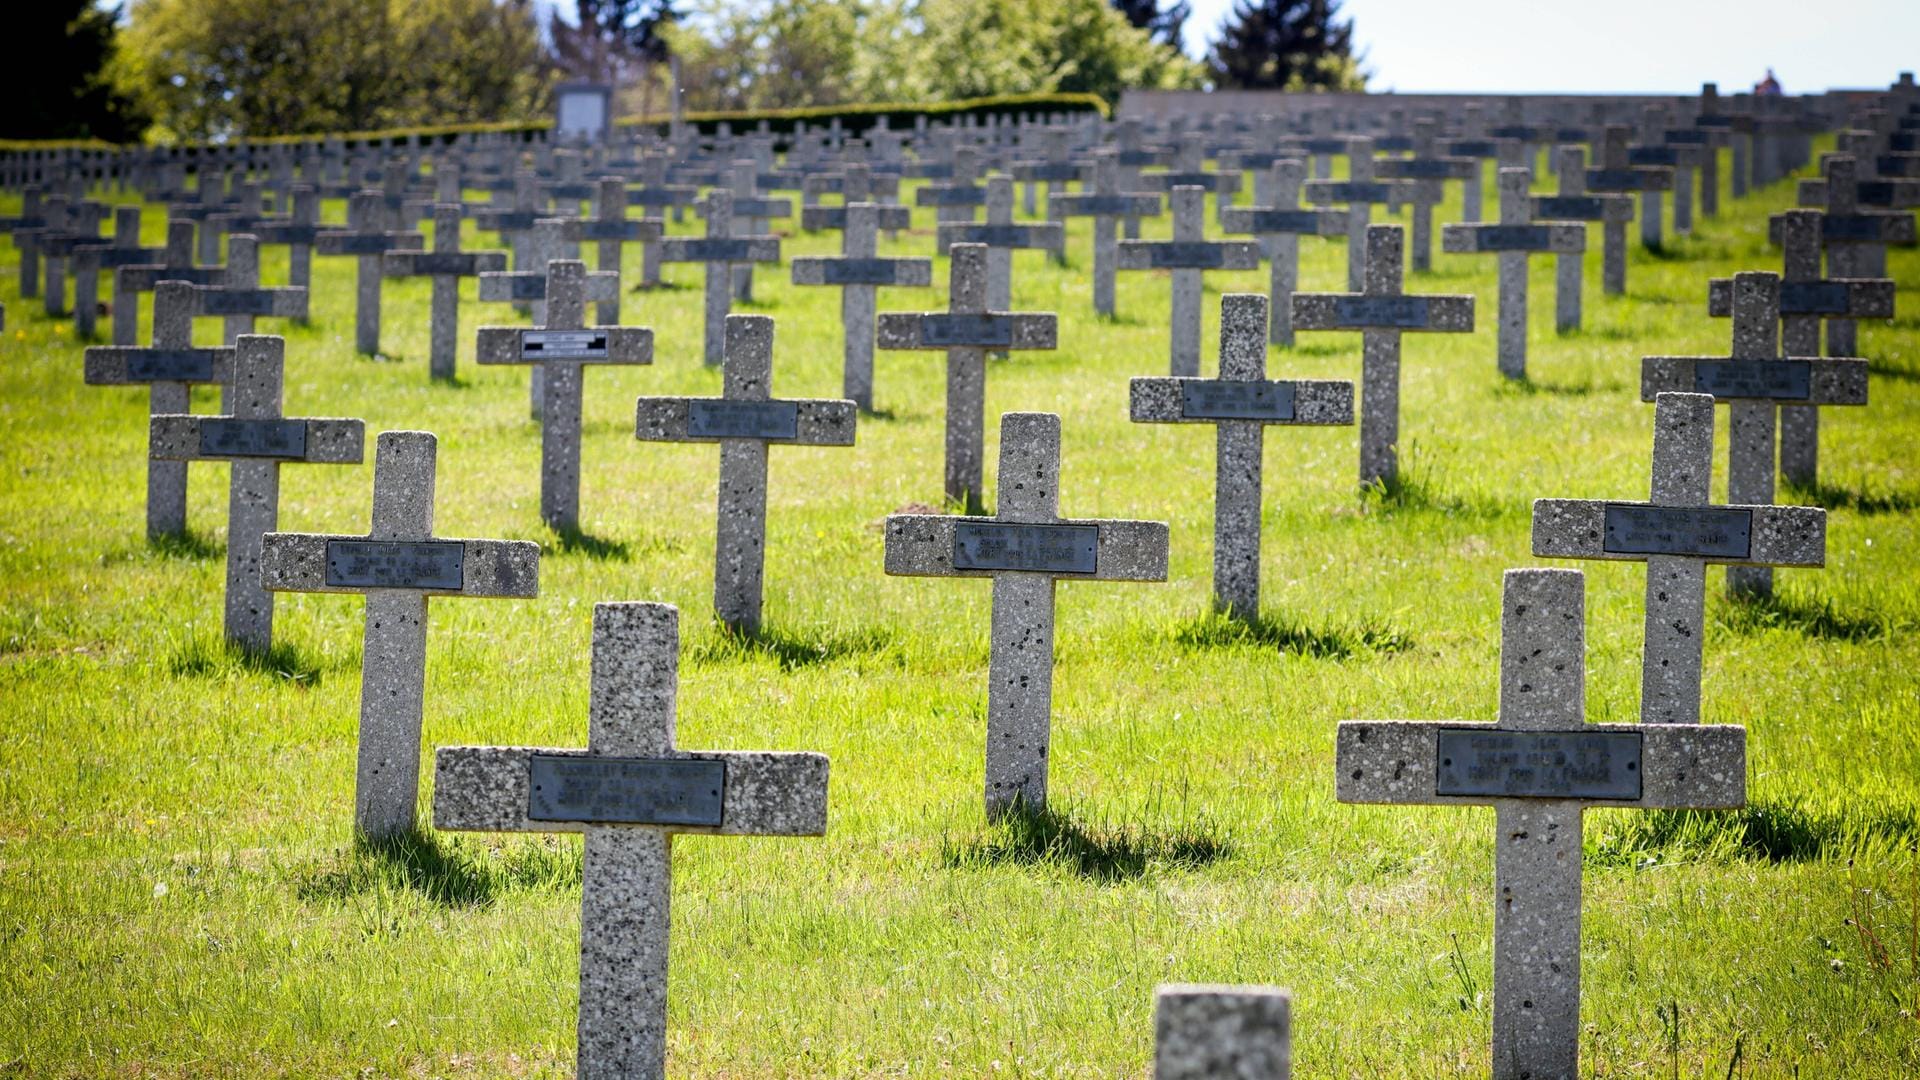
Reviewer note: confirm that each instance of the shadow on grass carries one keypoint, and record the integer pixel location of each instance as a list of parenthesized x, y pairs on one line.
[(186, 545), (1605, 332), (1100, 851), (573, 541), (1120, 319), (791, 649), (663, 286), (449, 871), (1766, 830), (1316, 347), (1412, 491), (1221, 630), (1859, 498), (1747, 614), (1528, 386), (206, 657), (1888, 371)]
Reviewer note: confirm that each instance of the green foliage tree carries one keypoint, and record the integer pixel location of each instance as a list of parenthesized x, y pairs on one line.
[(1286, 45), (1166, 24), (59, 89)]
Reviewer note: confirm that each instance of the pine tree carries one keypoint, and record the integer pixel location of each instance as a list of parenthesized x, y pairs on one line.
[(1286, 45), (1166, 25), (63, 93)]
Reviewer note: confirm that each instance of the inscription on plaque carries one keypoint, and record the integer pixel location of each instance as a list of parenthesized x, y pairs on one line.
[(715, 251), (1785, 380), (1474, 148), (1859, 228), (711, 419), (608, 230), (223, 437), (563, 345), (857, 271), (1676, 530), (1354, 193), (992, 235), (389, 564), (626, 791), (1403, 312), (1110, 205), (1539, 764), (1229, 399), (170, 365), (1426, 168), (1512, 237), (962, 330), (1813, 298), (1169, 256), (1653, 155), (1613, 180), (1060, 549), (442, 263), (522, 286), (358, 243), (1283, 221), (1577, 207), (249, 302)]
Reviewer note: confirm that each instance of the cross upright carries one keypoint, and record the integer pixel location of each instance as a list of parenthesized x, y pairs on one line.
[(1211, 1032), (168, 368), (257, 439), (446, 264), (630, 791), (297, 231), (514, 223), (399, 564), (89, 260), (176, 264), (25, 231), (1279, 222), (855, 183), (1539, 767), (1106, 204), (965, 331), (1574, 203), (1188, 255), (858, 272), (610, 227), (745, 420), (1682, 158), (653, 194), (1360, 191), (1618, 174), (1678, 532), (561, 350), (1055, 166), (366, 237), (1430, 172), (750, 214), (1856, 241), (1025, 549), (238, 299), (955, 199), (1240, 404), (1382, 313), (1002, 238), (719, 250), (542, 245), (1515, 238)]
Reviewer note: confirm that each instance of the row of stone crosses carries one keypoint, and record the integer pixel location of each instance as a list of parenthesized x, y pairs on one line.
[(631, 788)]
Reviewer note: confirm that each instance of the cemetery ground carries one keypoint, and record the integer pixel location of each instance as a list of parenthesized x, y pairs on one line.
[(180, 894)]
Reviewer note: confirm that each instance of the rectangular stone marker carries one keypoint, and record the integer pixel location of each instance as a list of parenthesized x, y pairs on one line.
[(858, 272), (1187, 255), (1513, 239), (1221, 400), (446, 264), (629, 791), (721, 251), (1206, 1032), (1107, 206)]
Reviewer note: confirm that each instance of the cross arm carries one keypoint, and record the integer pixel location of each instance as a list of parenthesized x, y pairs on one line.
[(285, 302), (1049, 236), (1435, 312), (298, 562), (592, 345), (950, 195), (1347, 191), (1189, 254), (837, 270), (532, 285), (587, 230), (925, 545), (1631, 531), (1895, 193), (366, 243), (125, 365), (319, 440), (1832, 298), (144, 278), (455, 263), (1551, 238), (986, 330), (797, 422), (1300, 402), (1444, 168), (1581, 207), (760, 249), (886, 216), (1794, 380), (1269, 220), (1870, 226), (1093, 204), (766, 793)]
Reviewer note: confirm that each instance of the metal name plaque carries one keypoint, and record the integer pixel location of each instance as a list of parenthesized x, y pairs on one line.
[(1653, 155), (1197, 255), (607, 230), (1783, 380), (1105, 205), (1357, 192), (223, 437), (1539, 764), (1283, 221), (388, 564), (1058, 549), (1513, 237), (1473, 148), (443, 263), (993, 235), (959, 331), (1858, 228), (360, 243), (1391, 312), (1425, 168), (525, 286), (563, 344), (743, 419), (626, 791), (248, 302), (1229, 399), (858, 271), (1578, 207), (170, 365), (1873, 192), (1613, 180), (715, 251), (1676, 530), (1813, 298)]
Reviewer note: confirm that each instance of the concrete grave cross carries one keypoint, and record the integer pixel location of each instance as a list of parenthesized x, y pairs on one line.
[(257, 439), (610, 227), (25, 231), (1210, 1032), (1279, 222), (1382, 313), (1188, 255), (89, 260), (1054, 166), (1807, 300), (1539, 767), (399, 564), (367, 239), (955, 199), (1429, 172), (71, 223), (750, 214), (1684, 159), (855, 183), (1026, 548), (1678, 532), (561, 350), (745, 421), (1107, 205), (1002, 238), (297, 232), (527, 283), (965, 331), (654, 194), (238, 299), (1856, 242), (630, 791), (1573, 203), (446, 264), (858, 272), (1617, 173), (514, 223), (168, 368), (1240, 404), (1515, 238), (1360, 191), (719, 250), (1188, 169), (176, 264)]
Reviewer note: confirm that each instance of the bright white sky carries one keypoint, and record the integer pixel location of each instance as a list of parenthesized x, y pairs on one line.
[(1654, 46)]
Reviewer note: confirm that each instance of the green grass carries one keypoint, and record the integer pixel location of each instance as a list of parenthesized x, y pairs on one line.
[(180, 895)]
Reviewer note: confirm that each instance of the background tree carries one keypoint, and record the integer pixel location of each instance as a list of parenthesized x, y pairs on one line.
[(58, 88), (622, 42), (1286, 45), (1166, 25)]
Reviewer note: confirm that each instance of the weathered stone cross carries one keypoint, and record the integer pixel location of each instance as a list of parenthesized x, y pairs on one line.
[(1188, 255), (89, 260), (955, 199), (1002, 238), (176, 264), (1279, 223), (1429, 171), (1855, 241), (446, 264), (858, 272), (1206, 1032), (1360, 191), (298, 232), (364, 237), (1574, 204), (1514, 238), (610, 228), (238, 299), (542, 245), (720, 250), (1617, 173), (1106, 204)]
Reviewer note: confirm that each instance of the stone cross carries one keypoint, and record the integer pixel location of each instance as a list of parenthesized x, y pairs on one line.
[(297, 232), (238, 299), (1515, 238), (1682, 158), (1617, 173), (610, 228), (955, 199), (364, 237), (176, 264), (71, 223), (1209, 1032), (1856, 242), (1539, 767), (1360, 191), (169, 369), (1188, 255), (858, 272), (561, 350), (855, 184), (965, 331), (1055, 166), (1002, 238), (1573, 203), (1382, 313), (25, 231), (1240, 403), (514, 223), (720, 250), (1678, 533), (653, 194), (399, 564), (1279, 223), (745, 420), (1188, 169), (1025, 549), (89, 260), (629, 792), (257, 439), (446, 264), (1107, 205), (750, 214), (1429, 172), (526, 285)]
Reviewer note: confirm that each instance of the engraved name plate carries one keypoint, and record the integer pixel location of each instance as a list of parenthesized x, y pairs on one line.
[(743, 419), (1062, 549), (963, 330), (857, 271), (1105, 205), (1676, 530), (714, 250), (442, 262), (1577, 207), (1786, 380), (1613, 180), (224, 437), (563, 344), (1512, 237), (1228, 399), (1424, 168), (358, 243), (1539, 764), (607, 230), (1186, 256), (1283, 221), (170, 365), (1403, 312), (249, 302), (1813, 298), (1859, 228), (626, 791), (388, 564)]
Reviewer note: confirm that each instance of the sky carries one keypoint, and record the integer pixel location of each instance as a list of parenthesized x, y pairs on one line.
[(1618, 46)]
